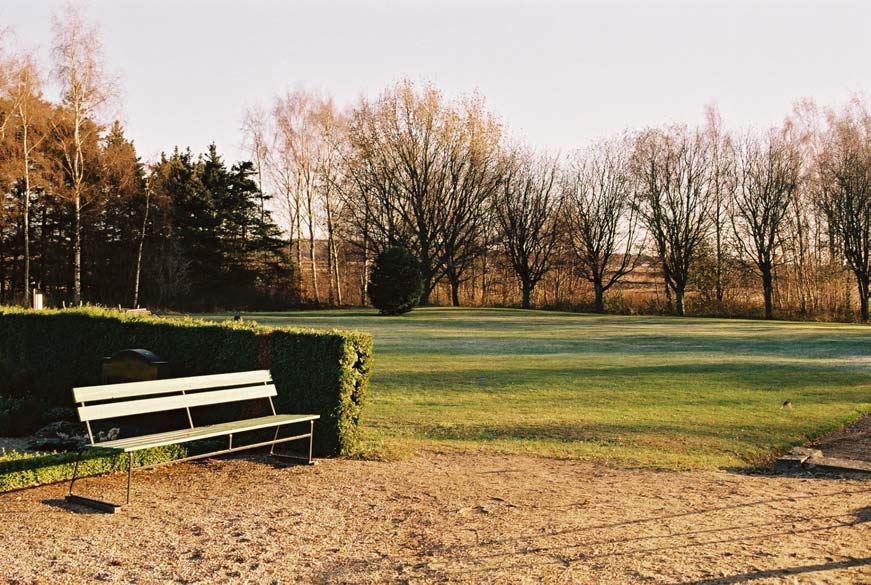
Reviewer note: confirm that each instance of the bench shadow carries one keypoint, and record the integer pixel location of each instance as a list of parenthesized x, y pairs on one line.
[(557, 553), (785, 572), (70, 507)]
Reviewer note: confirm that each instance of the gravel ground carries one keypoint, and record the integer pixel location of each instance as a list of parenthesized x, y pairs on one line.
[(442, 517), (852, 442)]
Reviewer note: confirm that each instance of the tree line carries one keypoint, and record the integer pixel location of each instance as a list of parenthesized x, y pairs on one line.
[(710, 211), (675, 219)]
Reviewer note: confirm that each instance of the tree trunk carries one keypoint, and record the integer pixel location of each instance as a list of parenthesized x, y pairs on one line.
[(139, 253), (863, 295), (678, 301), (364, 276), (719, 253), (428, 286), (311, 248), (333, 255), (297, 211), (484, 279), (767, 291), (455, 291), (599, 291), (77, 252), (526, 292), (25, 218), (338, 273)]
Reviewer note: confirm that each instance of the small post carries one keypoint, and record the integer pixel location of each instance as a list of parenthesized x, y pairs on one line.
[(129, 473), (311, 438)]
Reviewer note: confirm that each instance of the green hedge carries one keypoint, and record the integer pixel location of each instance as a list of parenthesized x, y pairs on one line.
[(20, 470), (44, 354)]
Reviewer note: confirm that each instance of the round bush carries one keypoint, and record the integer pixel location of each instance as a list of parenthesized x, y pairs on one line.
[(395, 285)]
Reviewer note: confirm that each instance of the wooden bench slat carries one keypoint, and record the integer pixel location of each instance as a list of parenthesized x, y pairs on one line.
[(199, 433), (147, 405), (133, 389)]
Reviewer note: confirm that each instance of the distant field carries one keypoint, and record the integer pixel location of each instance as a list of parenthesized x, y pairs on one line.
[(653, 392)]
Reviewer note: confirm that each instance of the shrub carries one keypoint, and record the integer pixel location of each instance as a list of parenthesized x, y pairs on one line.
[(395, 285), (44, 354), (19, 470)]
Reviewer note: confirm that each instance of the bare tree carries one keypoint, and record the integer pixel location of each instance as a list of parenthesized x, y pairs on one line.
[(723, 184), (674, 201), (769, 174), (79, 69), (334, 181), (305, 163), (471, 142), (845, 190), (603, 223), (527, 208), (401, 172)]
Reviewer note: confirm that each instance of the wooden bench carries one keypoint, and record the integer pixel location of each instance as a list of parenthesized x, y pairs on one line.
[(135, 398)]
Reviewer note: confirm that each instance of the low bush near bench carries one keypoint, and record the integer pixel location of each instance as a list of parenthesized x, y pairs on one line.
[(44, 354), (19, 470)]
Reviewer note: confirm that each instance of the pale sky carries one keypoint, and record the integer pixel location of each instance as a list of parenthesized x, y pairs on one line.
[(558, 73)]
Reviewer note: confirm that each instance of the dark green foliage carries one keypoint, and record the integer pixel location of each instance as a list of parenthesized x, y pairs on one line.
[(43, 355), (216, 244), (18, 417), (395, 284)]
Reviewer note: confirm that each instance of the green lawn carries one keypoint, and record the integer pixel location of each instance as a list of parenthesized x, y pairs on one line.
[(657, 392)]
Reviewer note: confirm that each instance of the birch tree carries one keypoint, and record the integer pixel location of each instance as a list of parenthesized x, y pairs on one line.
[(86, 88), (29, 110)]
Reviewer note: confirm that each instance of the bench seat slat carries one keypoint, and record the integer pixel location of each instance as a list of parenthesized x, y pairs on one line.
[(198, 433), (164, 403), (134, 389)]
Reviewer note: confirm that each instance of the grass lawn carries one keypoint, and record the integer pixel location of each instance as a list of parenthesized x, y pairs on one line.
[(652, 392)]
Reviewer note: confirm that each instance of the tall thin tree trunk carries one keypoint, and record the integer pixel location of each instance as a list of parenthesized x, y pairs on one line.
[(336, 269), (364, 276), (77, 203), (333, 256), (719, 253), (139, 253), (26, 219), (311, 248), (484, 278), (77, 252), (298, 211)]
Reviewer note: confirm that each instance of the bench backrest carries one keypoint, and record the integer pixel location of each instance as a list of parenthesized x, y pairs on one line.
[(117, 400)]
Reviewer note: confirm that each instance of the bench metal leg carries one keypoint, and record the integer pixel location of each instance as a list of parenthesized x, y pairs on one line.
[(99, 504), (294, 458)]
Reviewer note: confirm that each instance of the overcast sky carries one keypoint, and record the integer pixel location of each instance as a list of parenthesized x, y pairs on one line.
[(558, 73)]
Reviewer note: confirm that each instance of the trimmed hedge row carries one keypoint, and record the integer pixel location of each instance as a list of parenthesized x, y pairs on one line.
[(20, 470), (44, 354)]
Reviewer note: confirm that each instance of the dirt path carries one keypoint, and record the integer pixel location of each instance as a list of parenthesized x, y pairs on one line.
[(443, 517)]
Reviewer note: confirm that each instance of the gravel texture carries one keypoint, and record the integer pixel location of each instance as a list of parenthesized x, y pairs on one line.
[(851, 442), (455, 517)]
